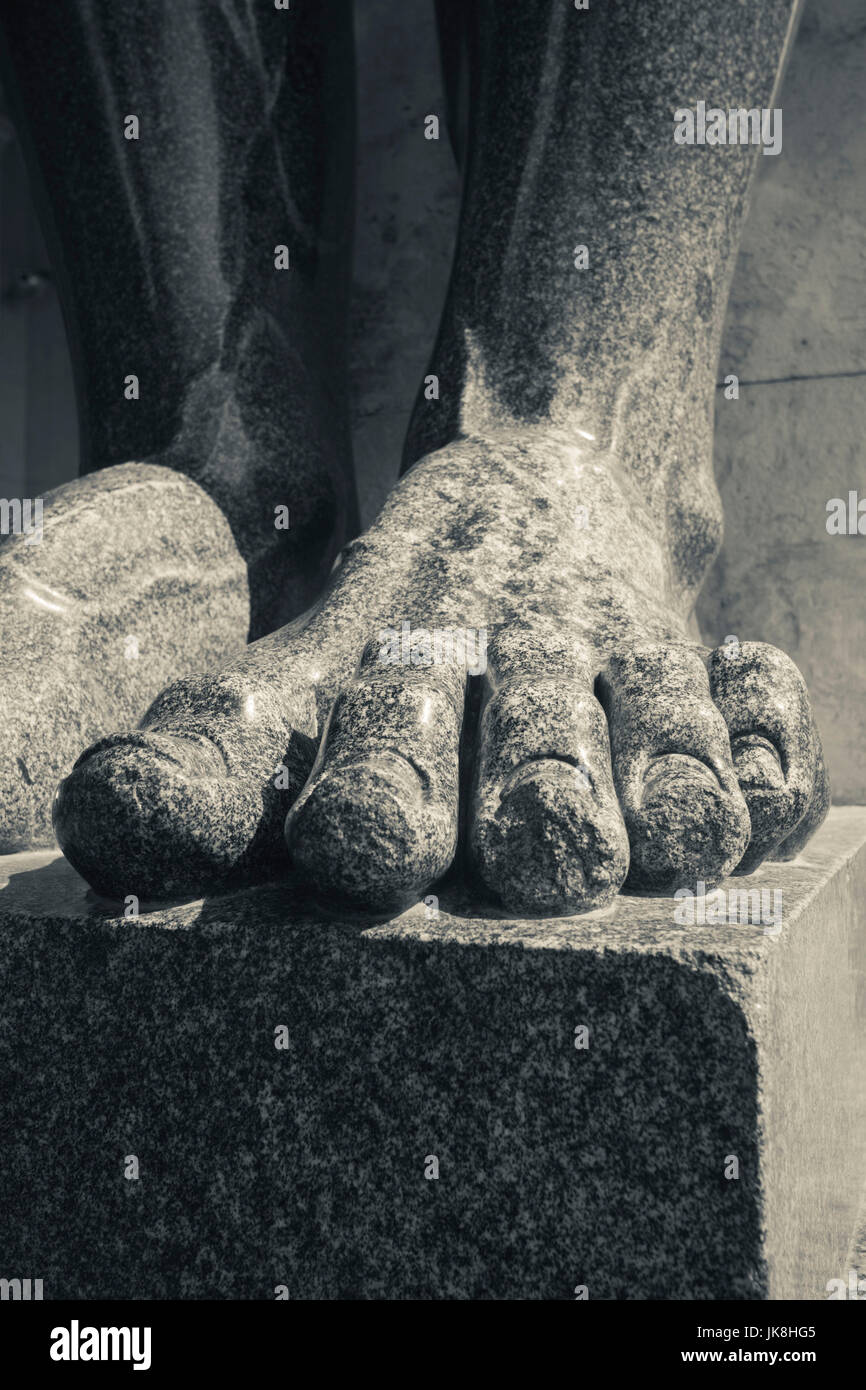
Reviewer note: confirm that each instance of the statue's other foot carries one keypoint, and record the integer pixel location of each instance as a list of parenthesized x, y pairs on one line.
[(599, 745), (113, 584)]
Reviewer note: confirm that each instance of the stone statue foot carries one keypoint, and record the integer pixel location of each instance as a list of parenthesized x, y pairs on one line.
[(600, 745), (116, 582)]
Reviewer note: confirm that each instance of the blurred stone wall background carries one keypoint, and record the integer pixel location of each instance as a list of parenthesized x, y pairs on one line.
[(795, 337), (797, 437)]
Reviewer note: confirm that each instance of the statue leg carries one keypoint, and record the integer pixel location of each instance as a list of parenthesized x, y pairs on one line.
[(192, 165), (549, 536)]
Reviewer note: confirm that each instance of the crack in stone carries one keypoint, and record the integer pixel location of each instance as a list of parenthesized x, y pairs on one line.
[(782, 380)]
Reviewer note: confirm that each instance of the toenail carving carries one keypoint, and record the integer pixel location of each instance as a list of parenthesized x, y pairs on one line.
[(757, 763), (662, 767), (189, 798), (764, 702), (684, 811), (377, 822), (816, 811), (546, 832), (523, 604)]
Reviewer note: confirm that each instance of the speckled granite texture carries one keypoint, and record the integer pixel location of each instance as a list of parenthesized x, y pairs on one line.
[(195, 799), (561, 503), (153, 585), (193, 351), (163, 240), (793, 334), (416, 1039)]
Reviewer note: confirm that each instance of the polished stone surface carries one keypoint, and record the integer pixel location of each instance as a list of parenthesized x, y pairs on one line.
[(362, 795), (285, 1078), (546, 830), (404, 1108), (793, 335), (163, 237), (154, 586), (570, 145), (172, 149), (564, 506), (196, 798)]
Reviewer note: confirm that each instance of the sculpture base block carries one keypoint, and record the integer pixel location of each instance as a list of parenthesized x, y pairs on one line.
[(708, 1141)]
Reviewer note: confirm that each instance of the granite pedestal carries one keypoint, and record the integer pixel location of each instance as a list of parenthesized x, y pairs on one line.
[(243, 1098)]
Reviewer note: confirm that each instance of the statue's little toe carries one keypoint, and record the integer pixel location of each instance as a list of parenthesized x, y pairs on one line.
[(774, 742), (605, 748)]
